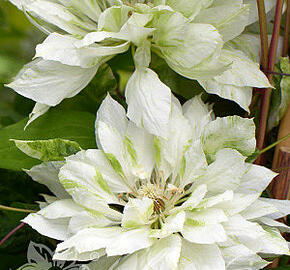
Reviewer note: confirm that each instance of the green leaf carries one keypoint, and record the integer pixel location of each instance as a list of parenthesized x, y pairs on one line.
[(68, 125), (281, 95), (48, 150)]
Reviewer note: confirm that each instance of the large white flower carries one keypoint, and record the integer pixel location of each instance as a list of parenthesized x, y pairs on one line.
[(191, 35), (144, 202)]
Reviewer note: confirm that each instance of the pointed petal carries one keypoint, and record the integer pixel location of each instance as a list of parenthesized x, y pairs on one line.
[(53, 228), (198, 114), (200, 257), (38, 110), (50, 82), (256, 179), (149, 101), (283, 207), (240, 257), (47, 174)]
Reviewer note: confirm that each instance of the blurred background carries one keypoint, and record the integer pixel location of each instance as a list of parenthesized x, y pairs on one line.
[(18, 38)]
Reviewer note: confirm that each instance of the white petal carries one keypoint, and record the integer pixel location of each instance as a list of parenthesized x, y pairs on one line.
[(188, 8), (242, 230), (238, 203), (184, 44), (62, 48), (243, 71), (207, 216), (249, 44), (59, 16), (232, 132), (133, 30), (200, 257), (258, 209), (240, 257), (96, 159), (164, 254), (239, 94), (230, 18), (227, 196), (177, 141), (114, 239), (172, 224), (198, 114), (283, 207), (87, 219), (47, 174), (195, 163), (113, 114), (149, 101), (86, 7), (203, 234), (225, 172), (113, 18), (140, 148), (193, 201), (273, 243), (235, 83), (256, 179), (137, 212), (38, 110), (50, 82), (78, 175), (273, 223), (60, 209), (53, 228)]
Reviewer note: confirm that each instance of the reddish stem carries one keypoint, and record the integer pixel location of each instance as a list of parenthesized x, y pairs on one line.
[(11, 233), (286, 31), (263, 33), (265, 105)]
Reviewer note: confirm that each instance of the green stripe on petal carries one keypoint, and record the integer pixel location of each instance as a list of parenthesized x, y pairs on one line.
[(131, 150), (102, 183), (115, 164), (157, 147)]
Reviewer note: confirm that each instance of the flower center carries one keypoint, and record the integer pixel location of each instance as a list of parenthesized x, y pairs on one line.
[(158, 189), (154, 192), (134, 2)]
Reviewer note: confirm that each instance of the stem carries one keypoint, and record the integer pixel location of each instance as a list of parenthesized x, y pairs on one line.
[(274, 144), (271, 63), (286, 31), (7, 208), (11, 233), (263, 33)]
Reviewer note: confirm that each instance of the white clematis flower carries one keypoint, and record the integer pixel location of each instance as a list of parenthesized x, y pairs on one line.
[(144, 202), (190, 35)]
